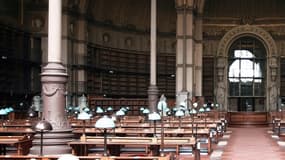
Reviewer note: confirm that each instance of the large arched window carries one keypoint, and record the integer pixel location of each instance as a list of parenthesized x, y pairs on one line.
[(246, 75)]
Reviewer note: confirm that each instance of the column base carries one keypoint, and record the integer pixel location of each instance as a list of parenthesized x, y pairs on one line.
[(181, 98), (152, 98), (54, 143)]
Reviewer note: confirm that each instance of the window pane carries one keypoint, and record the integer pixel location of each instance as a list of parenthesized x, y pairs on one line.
[(259, 104), (233, 104), (246, 68), (258, 87), (247, 88), (234, 87)]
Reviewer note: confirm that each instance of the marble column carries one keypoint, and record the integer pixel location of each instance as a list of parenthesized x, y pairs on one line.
[(198, 55), (153, 90), (184, 51), (54, 78)]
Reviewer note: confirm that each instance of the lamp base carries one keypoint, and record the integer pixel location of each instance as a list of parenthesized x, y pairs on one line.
[(83, 137)]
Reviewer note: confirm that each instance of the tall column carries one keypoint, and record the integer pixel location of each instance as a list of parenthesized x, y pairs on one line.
[(153, 90), (198, 55), (54, 78), (184, 51)]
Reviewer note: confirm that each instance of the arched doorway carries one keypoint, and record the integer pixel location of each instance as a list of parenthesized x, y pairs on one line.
[(247, 75), (246, 81)]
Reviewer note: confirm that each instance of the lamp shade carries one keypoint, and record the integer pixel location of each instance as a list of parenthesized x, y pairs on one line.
[(3, 112), (120, 113), (11, 109), (86, 109), (208, 109), (105, 123), (217, 105), (99, 109), (146, 111), (202, 110), (110, 108), (83, 116), (154, 116), (43, 126), (179, 113), (193, 111), (195, 105)]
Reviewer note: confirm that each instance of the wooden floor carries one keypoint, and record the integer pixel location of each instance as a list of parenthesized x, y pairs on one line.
[(246, 143)]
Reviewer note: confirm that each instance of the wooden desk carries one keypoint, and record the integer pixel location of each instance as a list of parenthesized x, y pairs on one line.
[(151, 144), (55, 157), (22, 144), (16, 131)]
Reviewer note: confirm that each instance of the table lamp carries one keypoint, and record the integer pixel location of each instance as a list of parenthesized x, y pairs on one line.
[(192, 112), (42, 126), (146, 112), (105, 123), (179, 114), (83, 116), (3, 113), (99, 110), (120, 113), (154, 116)]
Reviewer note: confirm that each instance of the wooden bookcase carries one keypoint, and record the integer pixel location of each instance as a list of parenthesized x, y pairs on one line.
[(18, 60), (124, 73), (208, 78)]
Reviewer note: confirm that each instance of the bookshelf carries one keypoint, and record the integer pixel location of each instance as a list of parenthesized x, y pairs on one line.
[(208, 78), (125, 73)]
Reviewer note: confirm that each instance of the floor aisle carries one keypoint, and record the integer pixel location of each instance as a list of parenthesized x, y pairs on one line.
[(252, 144)]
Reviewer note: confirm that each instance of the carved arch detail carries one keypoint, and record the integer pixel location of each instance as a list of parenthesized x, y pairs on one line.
[(255, 31)]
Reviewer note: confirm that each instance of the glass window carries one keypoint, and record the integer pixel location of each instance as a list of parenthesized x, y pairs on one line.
[(246, 74)]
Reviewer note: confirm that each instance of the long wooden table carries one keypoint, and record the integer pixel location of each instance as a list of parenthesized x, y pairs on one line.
[(21, 143), (151, 144), (55, 157)]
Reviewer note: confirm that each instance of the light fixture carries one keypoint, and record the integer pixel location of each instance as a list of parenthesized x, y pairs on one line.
[(192, 112), (179, 114), (146, 112), (162, 107), (154, 116), (42, 126), (120, 113), (105, 123), (99, 110), (83, 116), (109, 110), (3, 113)]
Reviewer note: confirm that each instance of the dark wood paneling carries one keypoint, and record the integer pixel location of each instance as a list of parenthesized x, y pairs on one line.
[(248, 118)]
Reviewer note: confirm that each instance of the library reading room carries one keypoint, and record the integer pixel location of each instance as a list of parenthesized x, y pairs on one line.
[(142, 79)]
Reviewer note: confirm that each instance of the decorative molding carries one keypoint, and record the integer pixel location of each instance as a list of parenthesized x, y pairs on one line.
[(246, 30)]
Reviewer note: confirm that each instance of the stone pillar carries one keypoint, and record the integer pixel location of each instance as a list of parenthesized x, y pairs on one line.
[(153, 90), (198, 55), (184, 51), (273, 91), (54, 78), (221, 91)]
